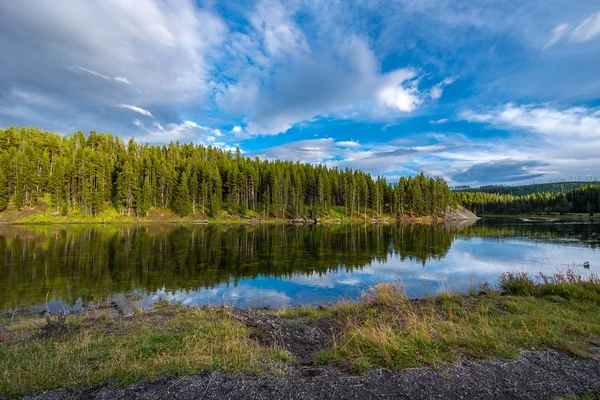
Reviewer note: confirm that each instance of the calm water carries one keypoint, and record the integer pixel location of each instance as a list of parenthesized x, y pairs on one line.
[(275, 265)]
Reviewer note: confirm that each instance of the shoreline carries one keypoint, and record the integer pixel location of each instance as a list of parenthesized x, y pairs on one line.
[(383, 330), (239, 221)]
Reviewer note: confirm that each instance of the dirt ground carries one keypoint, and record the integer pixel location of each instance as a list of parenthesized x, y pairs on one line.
[(533, 375)]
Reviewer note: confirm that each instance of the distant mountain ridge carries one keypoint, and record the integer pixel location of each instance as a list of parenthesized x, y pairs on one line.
[(523, 190)]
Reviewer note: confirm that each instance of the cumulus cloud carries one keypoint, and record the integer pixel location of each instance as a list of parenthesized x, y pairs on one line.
[(164, 45), (399, 91), (285, 76)]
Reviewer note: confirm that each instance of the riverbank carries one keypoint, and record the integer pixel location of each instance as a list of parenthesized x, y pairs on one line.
[(41, 215), (557, 318)]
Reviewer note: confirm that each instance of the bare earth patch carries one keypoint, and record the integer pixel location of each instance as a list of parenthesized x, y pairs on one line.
[(533, 375), (301, 337)]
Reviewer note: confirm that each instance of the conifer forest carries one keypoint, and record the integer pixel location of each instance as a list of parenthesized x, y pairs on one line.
[(91, 173)]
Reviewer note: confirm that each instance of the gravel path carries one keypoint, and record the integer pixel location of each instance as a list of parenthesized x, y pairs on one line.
[(533, 375)]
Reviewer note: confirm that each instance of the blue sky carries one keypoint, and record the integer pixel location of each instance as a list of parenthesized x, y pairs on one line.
[(476, 92)]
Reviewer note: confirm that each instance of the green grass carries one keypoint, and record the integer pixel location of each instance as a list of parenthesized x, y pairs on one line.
[(95, 349), (384, 329), (391, 331)]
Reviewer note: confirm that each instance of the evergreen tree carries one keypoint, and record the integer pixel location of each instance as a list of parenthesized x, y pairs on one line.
[(87, 174), (3, 184), (145, 198), (182, 203)]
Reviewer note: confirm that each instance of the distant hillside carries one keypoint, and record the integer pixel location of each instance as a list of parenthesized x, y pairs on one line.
[(523, 190)]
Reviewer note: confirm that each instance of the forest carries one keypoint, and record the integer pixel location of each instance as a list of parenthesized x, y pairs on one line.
[(97, 172), (585, 199), (522, 190)]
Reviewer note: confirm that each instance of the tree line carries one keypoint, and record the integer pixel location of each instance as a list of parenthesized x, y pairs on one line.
[(91, 173), (585, 199)]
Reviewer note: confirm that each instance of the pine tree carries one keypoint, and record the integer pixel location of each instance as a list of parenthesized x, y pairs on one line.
[(182, 203), (3, 184), (83, 174), (145, 198)]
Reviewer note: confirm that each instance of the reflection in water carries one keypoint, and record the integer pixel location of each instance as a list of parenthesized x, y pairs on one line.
[(262, 265)]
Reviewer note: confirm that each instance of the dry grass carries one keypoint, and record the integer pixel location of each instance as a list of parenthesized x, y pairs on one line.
[(389, 330), (95, 349)]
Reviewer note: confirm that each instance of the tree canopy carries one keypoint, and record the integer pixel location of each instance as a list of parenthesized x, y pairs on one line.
[(585, 199), (98, 170)]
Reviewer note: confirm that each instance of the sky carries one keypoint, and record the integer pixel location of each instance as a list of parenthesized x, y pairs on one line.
[(476, 92)]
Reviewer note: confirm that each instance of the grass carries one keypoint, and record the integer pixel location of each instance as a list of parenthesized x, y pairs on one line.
[(387, 329), (94, 348), (384, 329)]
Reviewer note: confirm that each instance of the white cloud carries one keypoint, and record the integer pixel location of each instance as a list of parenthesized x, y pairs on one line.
[(306, 151), (89, 71), (279, 34), (399, 91), (348, 143), (187, 131), (136, 109), (439, 121), (79, 69), (587, 30), (280, 76), (438, 89), (545, 141), (557, 34), (122, 80), (570, 123), (376, 158), (150, 53)]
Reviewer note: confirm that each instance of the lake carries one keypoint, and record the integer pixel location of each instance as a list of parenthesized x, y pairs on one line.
[(66, 267)]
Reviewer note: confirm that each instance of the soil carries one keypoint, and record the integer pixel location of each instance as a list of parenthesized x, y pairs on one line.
[(300, 337), (533, 375)]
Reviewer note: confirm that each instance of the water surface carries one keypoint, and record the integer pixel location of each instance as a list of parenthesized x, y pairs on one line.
[(276, 265)]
